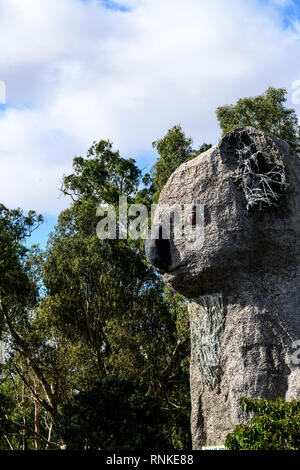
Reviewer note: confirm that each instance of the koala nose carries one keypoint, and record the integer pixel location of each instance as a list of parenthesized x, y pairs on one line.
[(158, 250)]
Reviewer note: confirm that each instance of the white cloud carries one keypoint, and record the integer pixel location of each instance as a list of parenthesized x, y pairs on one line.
[(76, 72)]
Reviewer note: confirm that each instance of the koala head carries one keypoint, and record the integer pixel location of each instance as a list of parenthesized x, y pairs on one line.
[(240, 210)]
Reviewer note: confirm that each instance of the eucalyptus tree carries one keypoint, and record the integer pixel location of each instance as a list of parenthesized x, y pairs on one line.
[(266, 112)]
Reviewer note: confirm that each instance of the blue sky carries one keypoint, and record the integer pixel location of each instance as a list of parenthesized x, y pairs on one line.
[(40, 235), (289, 10), (119, 6), (76, 71)]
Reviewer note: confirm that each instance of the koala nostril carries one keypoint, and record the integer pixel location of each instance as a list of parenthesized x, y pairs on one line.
[(158, 251)]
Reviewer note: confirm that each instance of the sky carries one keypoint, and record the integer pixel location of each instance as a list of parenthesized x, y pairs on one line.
[(76, 71)]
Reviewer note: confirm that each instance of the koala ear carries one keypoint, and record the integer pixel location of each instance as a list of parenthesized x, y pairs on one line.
[(259, 169)]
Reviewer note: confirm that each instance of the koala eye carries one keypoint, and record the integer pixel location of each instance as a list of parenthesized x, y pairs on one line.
[(192, 219)]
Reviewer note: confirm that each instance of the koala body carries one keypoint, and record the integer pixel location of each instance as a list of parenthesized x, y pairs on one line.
[(242, 279)]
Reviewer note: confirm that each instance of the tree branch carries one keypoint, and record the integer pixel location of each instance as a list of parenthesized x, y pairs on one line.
[(37, 434), (24, 349)]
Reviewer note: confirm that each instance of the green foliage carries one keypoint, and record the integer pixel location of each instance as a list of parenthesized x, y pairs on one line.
[(274, 426), (104, 299), (203, 148), (102, 176), (104, 294), (115, 414), (173, 149), (14, 276), (265, 112), (5, 404)]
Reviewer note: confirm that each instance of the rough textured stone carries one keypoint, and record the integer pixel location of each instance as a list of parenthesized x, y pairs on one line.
[(206, 323), (248, 265)]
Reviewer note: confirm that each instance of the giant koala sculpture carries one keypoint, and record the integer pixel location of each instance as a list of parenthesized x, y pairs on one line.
[(242, 281)]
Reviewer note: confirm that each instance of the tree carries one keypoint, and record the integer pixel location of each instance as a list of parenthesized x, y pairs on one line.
[(15, 283), (173, 149), (265, 112), (86, 309), (103, 297), (102, 175), (19, 295), (116, 414), (275, 426)]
